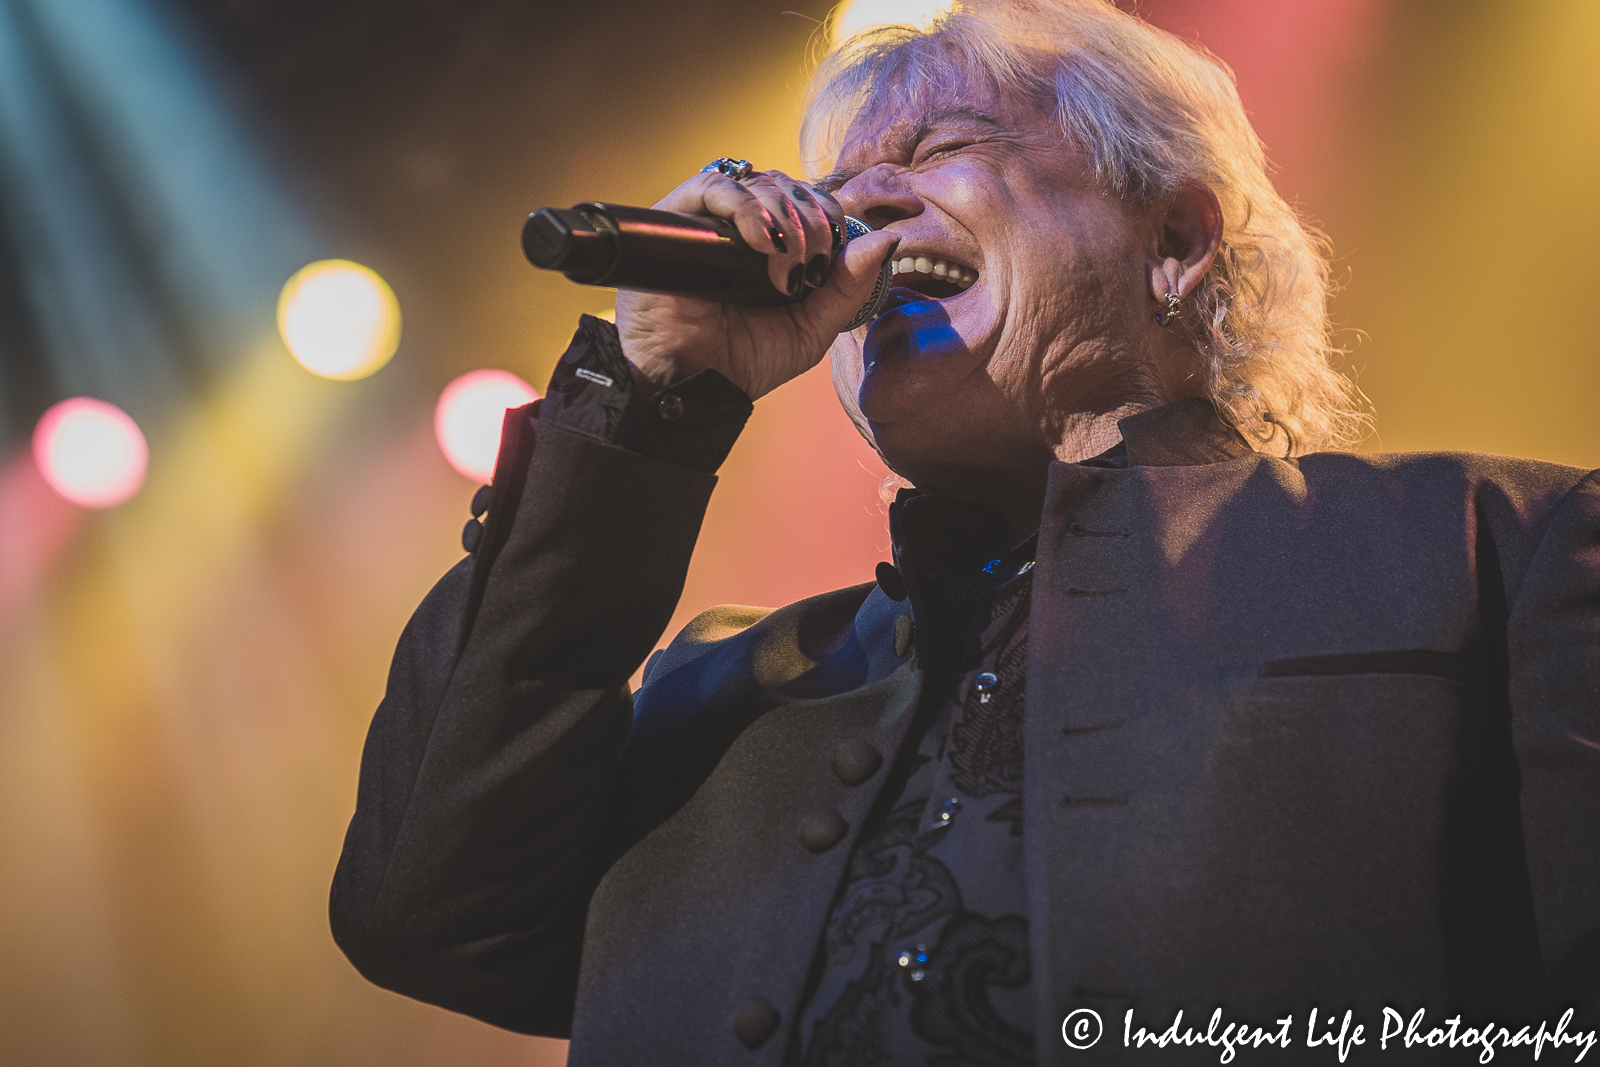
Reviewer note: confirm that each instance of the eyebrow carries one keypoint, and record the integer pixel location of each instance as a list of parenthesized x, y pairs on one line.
[(907, 141)]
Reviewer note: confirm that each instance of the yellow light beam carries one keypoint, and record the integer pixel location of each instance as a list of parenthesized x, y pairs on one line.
[(855, 16)]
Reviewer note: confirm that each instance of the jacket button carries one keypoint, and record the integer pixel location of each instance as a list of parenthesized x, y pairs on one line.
[(755, 1022), (821, 830), (855, 761), (904, 630), (470, 535), (480, 501)]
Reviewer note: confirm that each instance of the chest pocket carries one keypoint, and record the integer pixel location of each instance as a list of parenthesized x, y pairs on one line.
[(1421, 661), (1360, 799)]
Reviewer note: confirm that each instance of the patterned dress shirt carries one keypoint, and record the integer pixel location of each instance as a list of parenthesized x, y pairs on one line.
[(925, 956)]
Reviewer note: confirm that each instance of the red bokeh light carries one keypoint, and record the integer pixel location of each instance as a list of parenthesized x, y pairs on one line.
[(90, 452), (467, 419)]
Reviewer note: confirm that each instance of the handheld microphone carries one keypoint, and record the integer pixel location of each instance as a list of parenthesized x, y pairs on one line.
[(665, 252)]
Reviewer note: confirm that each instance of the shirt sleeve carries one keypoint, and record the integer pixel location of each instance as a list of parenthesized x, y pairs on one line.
[(595, 393)]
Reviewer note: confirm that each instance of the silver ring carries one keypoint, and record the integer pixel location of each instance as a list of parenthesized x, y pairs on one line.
[(737, 169)]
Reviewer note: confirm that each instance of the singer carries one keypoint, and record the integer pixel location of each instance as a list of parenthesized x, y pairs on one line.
[(1164, 701)]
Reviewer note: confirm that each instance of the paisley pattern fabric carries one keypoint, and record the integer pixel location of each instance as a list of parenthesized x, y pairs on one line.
[(925, 955), (985, 750)]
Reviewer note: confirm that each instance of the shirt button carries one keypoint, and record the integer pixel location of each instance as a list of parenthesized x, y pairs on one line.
[(914, 961), (670, 407), (904, 631), (821, 830), (756, 1022), (986, 683), (855, 761)]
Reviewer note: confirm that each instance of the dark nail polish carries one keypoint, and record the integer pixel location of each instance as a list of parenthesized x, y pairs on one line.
[(817, 270), (796, 280), (838, 235), (777, 237), (803, 196)]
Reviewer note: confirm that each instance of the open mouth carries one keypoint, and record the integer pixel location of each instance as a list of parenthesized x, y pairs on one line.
[(933, 277)]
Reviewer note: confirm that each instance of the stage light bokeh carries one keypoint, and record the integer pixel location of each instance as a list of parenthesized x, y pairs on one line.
[(340, 320), (467, 419), (853, 16), (91, 452)]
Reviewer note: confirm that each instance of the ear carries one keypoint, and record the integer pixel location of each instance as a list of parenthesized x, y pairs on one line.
[(1187, 237)]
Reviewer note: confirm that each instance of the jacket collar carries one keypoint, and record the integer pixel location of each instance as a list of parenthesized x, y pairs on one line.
[(932, 534), (1180, 433)]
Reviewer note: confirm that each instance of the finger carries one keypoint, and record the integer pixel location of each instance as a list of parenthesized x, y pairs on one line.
[(767, 218), (788, 270), (690, 197), (720, 196), (818, 254), (855, 272), (835, 213), (760, 216)]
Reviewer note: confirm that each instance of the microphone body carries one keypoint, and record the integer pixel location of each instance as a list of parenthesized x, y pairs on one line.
[(664, 252)]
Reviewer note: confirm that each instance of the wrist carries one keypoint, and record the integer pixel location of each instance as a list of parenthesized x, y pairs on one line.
[(654, 372), (657, 367)]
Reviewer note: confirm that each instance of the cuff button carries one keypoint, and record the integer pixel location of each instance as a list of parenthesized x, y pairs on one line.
[(670, 407)]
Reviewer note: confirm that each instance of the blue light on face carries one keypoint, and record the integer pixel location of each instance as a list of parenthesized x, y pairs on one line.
[(938, 337), (931, 333)]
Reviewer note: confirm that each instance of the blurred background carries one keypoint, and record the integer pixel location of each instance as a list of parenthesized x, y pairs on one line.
[(186, 676)]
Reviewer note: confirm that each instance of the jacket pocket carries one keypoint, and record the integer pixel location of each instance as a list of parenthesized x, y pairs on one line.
[(1446, 665), (1338, 813)]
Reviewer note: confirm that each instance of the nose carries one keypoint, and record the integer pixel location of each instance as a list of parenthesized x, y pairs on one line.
[(880, 195)]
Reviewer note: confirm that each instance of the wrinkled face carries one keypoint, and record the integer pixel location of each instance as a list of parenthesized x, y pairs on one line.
[(1023, 302)]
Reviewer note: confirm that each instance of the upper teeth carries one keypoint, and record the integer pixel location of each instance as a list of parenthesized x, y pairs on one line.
[(939, 268)]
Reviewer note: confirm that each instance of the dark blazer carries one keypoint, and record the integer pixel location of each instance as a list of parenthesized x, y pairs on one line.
[(1316, 733)]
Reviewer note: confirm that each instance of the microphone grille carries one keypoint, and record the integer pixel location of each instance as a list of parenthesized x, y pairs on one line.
[(854, 228)]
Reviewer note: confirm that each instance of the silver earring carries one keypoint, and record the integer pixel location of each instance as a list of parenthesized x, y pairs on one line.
[(1171, 312)]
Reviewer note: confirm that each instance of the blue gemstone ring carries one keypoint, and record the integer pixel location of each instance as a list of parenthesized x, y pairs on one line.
[(737, 169)]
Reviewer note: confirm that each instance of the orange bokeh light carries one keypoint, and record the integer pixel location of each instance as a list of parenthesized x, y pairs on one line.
[(339, 319)]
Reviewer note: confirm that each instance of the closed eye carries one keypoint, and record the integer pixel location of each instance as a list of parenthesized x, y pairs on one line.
[(943, 147)]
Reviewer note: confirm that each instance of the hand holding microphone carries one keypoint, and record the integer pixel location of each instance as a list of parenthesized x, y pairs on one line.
[(752, 276)]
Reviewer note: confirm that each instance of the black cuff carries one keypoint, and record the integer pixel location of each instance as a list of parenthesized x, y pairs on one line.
[(594, 393), (693, 423), (591, 385)]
